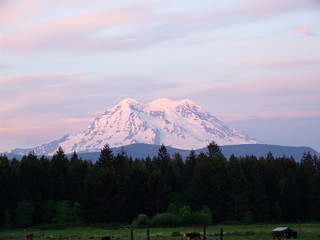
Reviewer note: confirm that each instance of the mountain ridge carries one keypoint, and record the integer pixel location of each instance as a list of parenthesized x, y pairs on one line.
[(180, 124), (144, 150)]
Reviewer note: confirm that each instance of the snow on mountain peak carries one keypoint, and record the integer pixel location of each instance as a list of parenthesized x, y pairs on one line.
[(182, 124), (130, 103)]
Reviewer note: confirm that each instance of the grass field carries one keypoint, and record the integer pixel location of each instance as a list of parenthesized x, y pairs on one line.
[(305, 231)]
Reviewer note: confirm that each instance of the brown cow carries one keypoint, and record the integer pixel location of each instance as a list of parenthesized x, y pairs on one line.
[(193, 235), (30, 236), (106, 238)]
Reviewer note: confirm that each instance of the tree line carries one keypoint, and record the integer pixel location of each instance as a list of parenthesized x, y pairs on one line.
[(205, 188)]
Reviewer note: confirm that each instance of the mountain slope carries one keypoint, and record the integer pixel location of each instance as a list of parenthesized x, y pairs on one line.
[(180, 124)]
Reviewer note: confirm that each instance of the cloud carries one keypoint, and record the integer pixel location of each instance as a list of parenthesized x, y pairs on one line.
[(38, 88), (8, 107), (274, 61), (38, 93), (5, 66), (36, 79), (50, 89), (68, 32), (285, 85), (230, 117), (268, 97), (304, 30), (270, 8), (76, 120), (95, 113), (62, 98), (122, 27), (15, 11)]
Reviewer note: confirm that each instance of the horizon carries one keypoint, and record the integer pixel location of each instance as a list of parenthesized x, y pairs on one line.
[(254, 66)]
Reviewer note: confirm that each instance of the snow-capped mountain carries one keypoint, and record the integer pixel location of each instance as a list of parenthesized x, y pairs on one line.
[(180, 124)]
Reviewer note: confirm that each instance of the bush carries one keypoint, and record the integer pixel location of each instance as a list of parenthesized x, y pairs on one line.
[(172, 209), (186, 218), (24, 214), (47, 212), (201, 218), (176, 217), (165, 220), (66, 213), (141, 221)]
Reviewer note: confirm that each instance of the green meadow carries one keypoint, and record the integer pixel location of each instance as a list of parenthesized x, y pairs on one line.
[(231, 232)]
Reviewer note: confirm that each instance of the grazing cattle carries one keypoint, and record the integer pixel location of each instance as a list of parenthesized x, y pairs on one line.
[(106, 238), (287, 235), (30, 236), (193, 235)]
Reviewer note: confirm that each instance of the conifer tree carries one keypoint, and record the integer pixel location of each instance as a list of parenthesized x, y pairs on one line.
[(75, 178), (106, 157), (58, 170), (163, 159), (237, 190), (214, 150), (191, 163)]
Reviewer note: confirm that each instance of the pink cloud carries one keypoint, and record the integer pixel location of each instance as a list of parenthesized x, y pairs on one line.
[(5, 66), (80, 31), (273, 7), (32, 78), (281, 86), (15, 11), (76, 120), (68, 32), (266, 115), (95, 113), (283, 96), (251, 10), (30, 133), (37, 90), (304, 31), (274, 61), (40, 127), (23, 128), (7, 107)]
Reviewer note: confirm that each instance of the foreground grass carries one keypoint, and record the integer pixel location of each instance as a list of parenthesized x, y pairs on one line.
[(306, 231)]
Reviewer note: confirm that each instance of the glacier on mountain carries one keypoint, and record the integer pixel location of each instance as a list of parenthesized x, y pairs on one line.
[(181, 124)]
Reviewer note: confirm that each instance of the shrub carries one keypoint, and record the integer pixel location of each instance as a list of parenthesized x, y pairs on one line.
[(24, 214), (186, 218), (184, 209), (141, 221), (47, 212), (172, 209), (165, 219), (66, 213), (201, 218)]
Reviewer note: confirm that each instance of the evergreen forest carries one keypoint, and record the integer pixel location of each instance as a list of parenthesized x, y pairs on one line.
[(164, 190)]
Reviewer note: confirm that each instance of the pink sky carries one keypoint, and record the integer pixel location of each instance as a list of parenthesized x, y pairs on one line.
[(248, 63)]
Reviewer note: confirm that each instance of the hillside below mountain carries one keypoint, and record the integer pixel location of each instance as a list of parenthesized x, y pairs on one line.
[(140, 151)]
